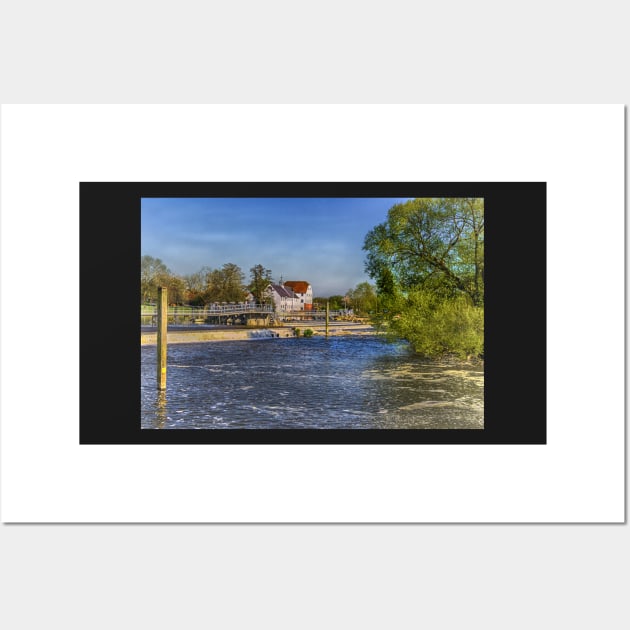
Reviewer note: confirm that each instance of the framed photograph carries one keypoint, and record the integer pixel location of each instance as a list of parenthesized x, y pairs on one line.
[(279, 325), (403, 413)]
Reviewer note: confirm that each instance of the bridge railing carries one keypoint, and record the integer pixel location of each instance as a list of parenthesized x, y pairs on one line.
[(199, 312), (211, 309)]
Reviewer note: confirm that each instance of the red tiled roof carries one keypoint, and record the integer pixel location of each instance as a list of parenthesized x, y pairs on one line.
[(299, 286)]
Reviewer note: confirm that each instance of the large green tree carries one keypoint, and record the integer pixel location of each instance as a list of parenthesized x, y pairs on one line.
[(432, 243), (428, 262)]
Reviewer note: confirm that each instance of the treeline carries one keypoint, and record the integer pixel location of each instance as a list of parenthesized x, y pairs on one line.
[(229, 284), (427, 259), (362, 300)]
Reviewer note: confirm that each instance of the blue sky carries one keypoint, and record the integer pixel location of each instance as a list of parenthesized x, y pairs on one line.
[(319, 240)]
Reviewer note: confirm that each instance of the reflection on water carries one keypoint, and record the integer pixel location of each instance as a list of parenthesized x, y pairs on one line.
[(338, 383)]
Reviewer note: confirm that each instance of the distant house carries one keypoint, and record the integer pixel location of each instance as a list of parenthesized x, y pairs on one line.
[(303, 291), (293, 295)]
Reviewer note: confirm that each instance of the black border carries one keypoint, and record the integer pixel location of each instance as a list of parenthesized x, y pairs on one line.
[(515, 282)]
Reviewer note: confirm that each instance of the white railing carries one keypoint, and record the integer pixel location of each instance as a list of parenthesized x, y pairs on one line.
[(234, 309), (212, 309)]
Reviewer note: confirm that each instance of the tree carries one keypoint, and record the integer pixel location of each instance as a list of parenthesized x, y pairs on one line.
[(428, 262), (336, 302), (176, 287), (363, 298), (433, 243), (195, 286), (225, 284), (260, 280), (385, 283), (153, 274)]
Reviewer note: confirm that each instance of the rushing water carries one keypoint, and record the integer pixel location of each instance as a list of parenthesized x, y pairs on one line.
[(342, 382)]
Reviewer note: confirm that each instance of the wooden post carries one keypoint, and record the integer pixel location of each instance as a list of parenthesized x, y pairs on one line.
[(160, 412), (326, 319), (162, 323)]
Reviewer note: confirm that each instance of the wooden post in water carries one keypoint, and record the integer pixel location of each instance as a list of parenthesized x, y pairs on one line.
[(162, 322), (326, 319)]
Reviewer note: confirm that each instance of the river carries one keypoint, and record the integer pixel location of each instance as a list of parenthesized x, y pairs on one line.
[(345, 382)]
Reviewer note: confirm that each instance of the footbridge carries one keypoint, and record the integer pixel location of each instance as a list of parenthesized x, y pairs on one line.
[(245, 314)]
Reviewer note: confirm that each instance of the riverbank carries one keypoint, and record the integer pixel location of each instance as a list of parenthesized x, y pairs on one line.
[(229, 333)]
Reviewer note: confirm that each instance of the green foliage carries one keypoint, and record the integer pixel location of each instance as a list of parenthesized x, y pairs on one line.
[(153, 274), (436, 326), (197, 289), (308, 332), (224, 285), (362, 298), (385, 282), (260, 279), (428, 262), (336, 302), (432, 243)]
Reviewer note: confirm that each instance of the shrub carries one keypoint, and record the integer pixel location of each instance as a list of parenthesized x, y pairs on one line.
[(437, 326), (308, 332)]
